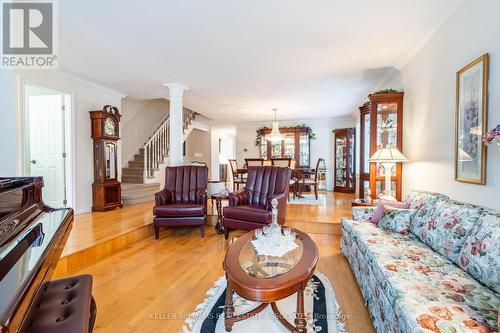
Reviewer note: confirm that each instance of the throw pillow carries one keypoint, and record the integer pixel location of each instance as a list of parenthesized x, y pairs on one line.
[(397, 220), (480, 255), (378, 214), (424, 202), (449, 226)]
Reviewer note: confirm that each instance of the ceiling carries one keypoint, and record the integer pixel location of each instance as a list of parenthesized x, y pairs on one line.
[(239, 59)]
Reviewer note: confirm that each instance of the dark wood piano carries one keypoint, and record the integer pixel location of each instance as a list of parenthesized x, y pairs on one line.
[(32, 238)]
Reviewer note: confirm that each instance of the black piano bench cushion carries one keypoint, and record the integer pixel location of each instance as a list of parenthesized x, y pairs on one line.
[(63, 306)]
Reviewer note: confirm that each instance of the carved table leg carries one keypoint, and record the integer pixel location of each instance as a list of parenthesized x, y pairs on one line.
[(219, 227), (300, 320), (229, 308)]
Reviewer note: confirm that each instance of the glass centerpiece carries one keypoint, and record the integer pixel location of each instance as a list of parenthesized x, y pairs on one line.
[(272, 240)]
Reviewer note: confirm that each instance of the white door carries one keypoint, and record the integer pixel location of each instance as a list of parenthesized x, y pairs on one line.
[(46, 145)]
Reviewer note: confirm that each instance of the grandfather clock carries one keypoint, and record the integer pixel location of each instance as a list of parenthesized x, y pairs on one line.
[(106, 189)]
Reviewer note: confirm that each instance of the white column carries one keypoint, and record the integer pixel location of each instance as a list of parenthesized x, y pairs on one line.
[(176, 135)]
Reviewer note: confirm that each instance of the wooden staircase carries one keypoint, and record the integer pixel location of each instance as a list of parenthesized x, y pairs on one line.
[(148, 159), (134, 173)]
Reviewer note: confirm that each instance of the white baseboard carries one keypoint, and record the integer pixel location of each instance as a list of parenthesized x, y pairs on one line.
[(83, 210)]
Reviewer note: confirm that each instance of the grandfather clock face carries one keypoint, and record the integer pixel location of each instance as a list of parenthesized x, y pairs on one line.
[(109, 127)]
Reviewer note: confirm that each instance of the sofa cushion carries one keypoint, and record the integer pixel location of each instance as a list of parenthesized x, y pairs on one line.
[(362, 213), (449, 226), (247, 213), (423, 202), (397, 220), (179, 210), (480, 255), (426, 291)]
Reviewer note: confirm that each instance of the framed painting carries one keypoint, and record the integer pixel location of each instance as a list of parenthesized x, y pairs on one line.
[(471, 122)]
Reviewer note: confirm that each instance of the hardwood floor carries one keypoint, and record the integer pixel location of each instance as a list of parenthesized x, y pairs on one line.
[(152, 285), (97, 227), (333, 207), (93, 228)]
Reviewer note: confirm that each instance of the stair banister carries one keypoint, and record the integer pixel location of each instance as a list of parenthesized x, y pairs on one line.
[(156, 149), (158, 145)]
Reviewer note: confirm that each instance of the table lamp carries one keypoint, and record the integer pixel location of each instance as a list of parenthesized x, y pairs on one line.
[(388, 157), (197, 156)]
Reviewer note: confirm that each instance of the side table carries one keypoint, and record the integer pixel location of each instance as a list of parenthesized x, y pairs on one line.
[(363, 202), (218, 197)]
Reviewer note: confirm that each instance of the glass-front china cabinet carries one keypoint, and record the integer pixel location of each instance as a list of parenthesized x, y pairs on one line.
[(295, 145), (344, 160), (364, 147), (381, 121)]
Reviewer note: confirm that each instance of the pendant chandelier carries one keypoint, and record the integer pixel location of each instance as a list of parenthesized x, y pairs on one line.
[(275, 135)]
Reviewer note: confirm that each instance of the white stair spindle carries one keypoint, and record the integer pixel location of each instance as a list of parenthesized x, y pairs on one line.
[(155, 154), (157, 148)]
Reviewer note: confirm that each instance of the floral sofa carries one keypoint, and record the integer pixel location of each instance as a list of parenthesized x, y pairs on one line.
[(440, 273)]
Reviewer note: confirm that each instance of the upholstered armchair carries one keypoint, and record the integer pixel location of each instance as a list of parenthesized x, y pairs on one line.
[(250, 208), (183, 201)]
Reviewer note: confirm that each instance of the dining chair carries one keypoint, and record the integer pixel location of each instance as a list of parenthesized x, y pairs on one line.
[(282, 162), (238, 177), (305, 180), (254, 162), (288, 163)]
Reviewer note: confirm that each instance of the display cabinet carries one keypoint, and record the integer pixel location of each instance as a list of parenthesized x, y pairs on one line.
[(344, 160), (381, 121), (106, 189), (364, 150), (295, 145)]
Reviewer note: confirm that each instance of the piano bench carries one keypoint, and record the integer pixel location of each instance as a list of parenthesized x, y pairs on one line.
[(63, 306)]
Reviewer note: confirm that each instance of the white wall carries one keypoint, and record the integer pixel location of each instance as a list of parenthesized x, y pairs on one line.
[(227, 149), (199, 142), (428, 81), (321, 147), (141, 117), (9, 163), (86, 96)]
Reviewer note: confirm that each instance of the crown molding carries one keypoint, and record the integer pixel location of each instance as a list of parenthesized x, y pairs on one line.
[(89, 83)]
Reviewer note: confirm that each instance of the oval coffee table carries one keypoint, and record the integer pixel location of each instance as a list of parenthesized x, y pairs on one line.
[(268, 279)]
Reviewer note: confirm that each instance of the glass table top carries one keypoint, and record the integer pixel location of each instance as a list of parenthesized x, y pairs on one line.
[(265, 267)]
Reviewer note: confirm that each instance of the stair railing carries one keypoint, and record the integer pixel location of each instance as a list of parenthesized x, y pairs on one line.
[(139, 128), (158, 145)]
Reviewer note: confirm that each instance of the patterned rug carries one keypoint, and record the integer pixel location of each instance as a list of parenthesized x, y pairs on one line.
[(322, 311), (307, 199)]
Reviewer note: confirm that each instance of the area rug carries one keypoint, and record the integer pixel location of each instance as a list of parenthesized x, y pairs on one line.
[(308, 199), (322, 311)]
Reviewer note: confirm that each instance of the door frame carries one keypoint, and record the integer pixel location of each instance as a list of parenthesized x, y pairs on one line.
[(69, 130)]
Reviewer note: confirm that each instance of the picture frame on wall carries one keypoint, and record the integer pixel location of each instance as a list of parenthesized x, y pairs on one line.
[(471, 121)]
